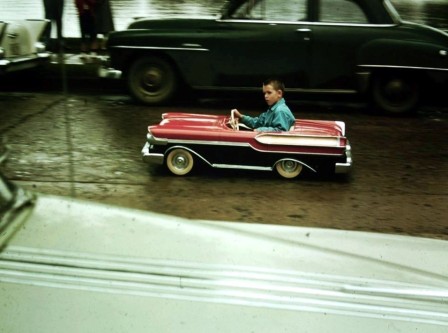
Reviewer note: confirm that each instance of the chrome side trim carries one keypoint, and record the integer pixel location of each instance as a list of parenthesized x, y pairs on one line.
[(160, 48), (242, 167), (306, 23), (404, 67)]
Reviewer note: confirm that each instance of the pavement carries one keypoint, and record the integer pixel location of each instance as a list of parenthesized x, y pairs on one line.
[(76, 64), (64, 70)]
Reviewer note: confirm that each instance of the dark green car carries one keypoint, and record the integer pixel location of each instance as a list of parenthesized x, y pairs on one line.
[(358, 47)]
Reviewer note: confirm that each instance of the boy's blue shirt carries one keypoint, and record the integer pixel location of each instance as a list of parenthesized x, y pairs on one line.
[(276, 119)]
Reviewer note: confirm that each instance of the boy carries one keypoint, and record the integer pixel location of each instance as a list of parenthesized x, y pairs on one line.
[(278, 117)]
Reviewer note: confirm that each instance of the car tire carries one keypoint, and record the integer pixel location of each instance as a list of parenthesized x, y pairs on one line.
[(180, 161), (395, 93), (288, 168), (152, 80)]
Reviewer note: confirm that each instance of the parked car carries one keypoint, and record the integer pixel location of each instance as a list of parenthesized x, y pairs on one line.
[(69, 265), (182, 139), (350, 47), (22, 45)]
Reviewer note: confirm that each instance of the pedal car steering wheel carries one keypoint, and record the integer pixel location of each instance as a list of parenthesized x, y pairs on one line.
[(233, 122)]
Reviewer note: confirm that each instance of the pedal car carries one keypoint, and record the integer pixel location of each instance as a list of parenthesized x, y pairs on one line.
[(181, 139)]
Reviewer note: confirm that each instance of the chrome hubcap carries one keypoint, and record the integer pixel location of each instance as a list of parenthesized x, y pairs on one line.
[(180, 161), (289, 166), (152, 79)]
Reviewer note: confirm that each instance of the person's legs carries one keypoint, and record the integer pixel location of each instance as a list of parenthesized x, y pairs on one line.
[(59, 11), (93, 43), (83, 26)]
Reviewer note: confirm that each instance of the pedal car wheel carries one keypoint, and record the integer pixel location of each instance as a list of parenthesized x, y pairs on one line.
[(288, 168), (180, 162)]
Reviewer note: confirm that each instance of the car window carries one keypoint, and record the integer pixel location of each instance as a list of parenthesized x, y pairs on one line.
[(272, 10), (342, 11)]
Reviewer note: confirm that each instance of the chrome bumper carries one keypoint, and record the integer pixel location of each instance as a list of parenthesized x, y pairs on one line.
[(109, 73), (149, 157), (345, 167), (10, 65)]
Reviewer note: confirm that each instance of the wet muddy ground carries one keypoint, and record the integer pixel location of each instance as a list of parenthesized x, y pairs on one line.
[(88, 146)]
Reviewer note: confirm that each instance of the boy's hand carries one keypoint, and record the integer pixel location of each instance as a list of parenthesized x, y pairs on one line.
[(236, 113)]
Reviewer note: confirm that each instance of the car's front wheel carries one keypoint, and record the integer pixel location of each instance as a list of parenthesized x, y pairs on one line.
[(180, 161), (152, 80), (288, 168), (395, 93)]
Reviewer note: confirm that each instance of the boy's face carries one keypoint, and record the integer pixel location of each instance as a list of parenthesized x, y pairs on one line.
[(271, 96)]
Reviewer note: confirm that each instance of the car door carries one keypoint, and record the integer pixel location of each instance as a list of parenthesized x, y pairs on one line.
[(339, 30), (260, 40)]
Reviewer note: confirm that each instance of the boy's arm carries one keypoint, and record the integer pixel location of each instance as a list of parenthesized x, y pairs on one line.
[(249, 121), (279, 123)]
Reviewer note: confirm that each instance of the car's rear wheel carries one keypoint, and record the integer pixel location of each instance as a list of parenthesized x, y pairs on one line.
[(152, 80), (180, 161), (288, 168), (395, 93)]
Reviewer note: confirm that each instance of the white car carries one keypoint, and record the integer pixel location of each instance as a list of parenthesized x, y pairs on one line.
[(75, 266), (22, 45)]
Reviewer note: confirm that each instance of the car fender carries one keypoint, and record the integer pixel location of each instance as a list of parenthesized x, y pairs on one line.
[(295, 160), (411, 56), (189, 150), (405, 54)]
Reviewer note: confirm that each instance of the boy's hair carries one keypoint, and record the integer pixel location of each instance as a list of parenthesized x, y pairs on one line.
[(275, 83)]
